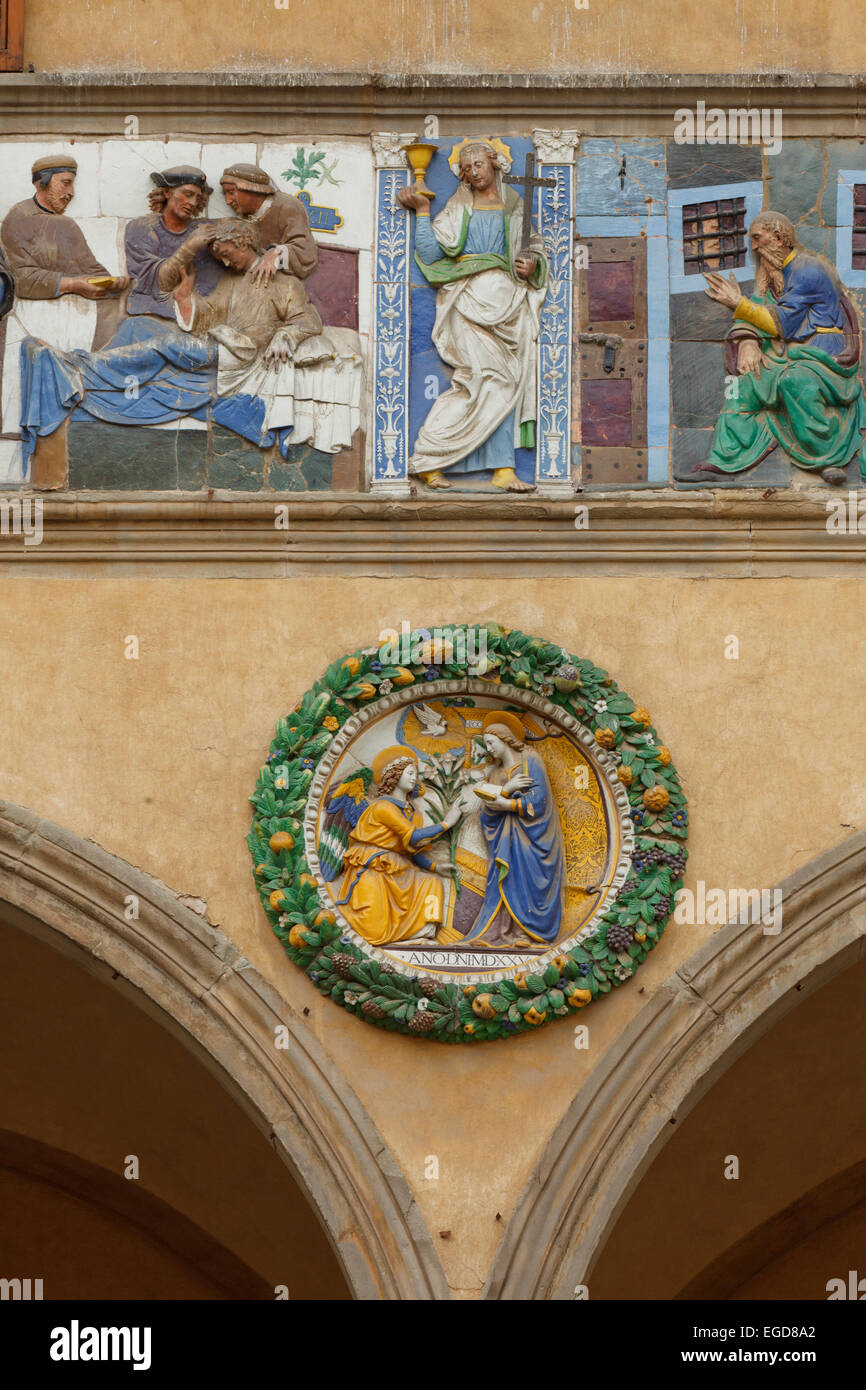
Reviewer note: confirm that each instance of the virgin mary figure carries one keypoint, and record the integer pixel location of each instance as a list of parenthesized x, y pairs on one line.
[(523, 901), (490, 289)]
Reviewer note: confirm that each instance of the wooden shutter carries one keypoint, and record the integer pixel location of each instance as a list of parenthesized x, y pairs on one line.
[(11, 35), (610, 378)]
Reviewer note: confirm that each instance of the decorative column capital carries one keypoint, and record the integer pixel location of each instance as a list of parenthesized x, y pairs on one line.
[(388, 152), (556, 146)]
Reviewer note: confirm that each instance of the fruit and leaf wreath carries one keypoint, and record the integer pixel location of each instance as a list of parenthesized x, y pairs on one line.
[(428, 1006)]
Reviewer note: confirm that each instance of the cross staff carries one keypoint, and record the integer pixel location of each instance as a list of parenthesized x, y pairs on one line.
[(529, 183)]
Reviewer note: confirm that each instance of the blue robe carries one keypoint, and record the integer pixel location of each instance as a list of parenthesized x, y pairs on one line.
[(810, 301), (149, 373), (526, 869)]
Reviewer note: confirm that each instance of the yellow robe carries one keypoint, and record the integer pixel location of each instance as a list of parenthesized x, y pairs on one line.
[(392, 899)]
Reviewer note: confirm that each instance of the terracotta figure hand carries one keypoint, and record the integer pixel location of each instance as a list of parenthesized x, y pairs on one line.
[(72, 284), (750, 357), (263, 272), (525, 264), (516, 784), (408, 198), (200, 239), (723, 291), (453, 814), (280, 350)]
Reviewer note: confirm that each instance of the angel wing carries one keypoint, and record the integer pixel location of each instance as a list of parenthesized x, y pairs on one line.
[(343, 809)]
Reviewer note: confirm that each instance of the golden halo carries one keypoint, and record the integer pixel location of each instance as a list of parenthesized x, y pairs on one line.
[(390, 755), (507, 720), (498, 145)]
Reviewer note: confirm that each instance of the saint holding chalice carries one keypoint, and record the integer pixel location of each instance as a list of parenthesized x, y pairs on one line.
[(490, 273)]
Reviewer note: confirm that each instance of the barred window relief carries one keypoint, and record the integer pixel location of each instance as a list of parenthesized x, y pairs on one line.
[(714, 235), (858, 235)]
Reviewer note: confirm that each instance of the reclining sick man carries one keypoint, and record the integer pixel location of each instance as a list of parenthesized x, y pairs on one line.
[(223, 354)]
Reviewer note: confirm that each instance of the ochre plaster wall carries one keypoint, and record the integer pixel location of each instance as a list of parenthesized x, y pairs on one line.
[(471, 36), (155, 760)]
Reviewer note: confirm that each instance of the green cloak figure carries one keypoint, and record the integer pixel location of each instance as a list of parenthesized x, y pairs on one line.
[(794, 348)]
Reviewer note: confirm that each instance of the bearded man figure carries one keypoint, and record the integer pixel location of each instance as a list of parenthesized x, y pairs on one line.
[(795, 348), (488, 307), (59, 283)]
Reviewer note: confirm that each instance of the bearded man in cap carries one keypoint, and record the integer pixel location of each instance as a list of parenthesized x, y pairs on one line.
[(53, 267), (47, 251), (281, 219), (176, 202)]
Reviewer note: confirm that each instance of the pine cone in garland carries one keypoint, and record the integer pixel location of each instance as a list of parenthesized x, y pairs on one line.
[(343, 964), (619, 937), (372, 1009), (422, 1021), (428, 986)]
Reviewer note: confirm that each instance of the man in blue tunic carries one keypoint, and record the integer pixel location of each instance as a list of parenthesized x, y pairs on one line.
[(523, 900), (177, 201), (795, 348)]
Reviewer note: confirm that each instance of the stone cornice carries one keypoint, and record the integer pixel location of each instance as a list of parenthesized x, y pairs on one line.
[(736, 534), (273, 103)]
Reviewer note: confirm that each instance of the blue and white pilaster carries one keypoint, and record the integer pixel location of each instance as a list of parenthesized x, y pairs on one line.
[(556, 153), (389, 426)]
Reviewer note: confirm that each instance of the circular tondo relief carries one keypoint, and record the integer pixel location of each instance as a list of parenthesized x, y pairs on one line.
[(467, 834)]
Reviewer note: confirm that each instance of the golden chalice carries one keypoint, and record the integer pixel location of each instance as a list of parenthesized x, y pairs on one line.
[(419, 155)]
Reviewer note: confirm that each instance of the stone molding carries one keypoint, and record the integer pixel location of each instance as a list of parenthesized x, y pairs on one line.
[(705, 1016), (186, 974), (283, 103), (732, 534)]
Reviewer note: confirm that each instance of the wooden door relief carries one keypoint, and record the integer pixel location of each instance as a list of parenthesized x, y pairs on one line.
[(610, 363)]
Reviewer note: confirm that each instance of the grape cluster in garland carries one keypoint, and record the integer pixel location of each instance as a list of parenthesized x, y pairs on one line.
[(620, 937), (656, 857)]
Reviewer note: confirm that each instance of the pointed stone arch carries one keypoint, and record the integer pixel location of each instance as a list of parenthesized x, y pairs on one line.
[(704, 1017), (185, 974)]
